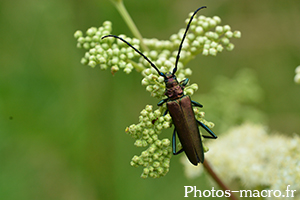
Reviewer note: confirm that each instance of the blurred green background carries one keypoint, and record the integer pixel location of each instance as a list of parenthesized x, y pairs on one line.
[(62, 124)]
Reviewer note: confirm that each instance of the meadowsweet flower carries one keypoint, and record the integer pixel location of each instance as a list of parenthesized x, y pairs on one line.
[(156, 158), (206, 36), (250, 154)]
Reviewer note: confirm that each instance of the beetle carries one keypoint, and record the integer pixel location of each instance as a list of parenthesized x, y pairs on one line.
[(180, 107)]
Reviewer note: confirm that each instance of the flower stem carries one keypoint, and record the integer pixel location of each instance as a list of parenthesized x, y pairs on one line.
[(211, 172), (137, 67), (122, 10)]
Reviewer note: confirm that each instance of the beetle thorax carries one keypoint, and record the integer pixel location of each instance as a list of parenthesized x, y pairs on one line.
[(173, 89)]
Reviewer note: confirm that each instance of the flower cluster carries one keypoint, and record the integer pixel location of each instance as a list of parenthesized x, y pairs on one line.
[(105, 53), (257, 158), (205, 36), (156, 158), (297, 76)]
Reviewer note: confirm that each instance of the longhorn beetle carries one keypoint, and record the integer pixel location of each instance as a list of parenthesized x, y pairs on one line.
[(180, 107)]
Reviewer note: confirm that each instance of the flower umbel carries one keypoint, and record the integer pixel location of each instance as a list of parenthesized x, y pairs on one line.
[(205, 36), (156, 158), (257, 159)]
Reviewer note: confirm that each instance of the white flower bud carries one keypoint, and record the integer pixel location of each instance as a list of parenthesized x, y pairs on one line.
[(92, 63), (149, 88), (149, 108), (129, 66), (206, 46), (145, 81), (114, 69), (230, 47), (205, 25), (161, 79), (168, 64), (156, 87), (86, 45), (199, 30), (205, 52), (84, 61), (225, 41), (103, 66), (213, 51), (78, 34), (237, 34), (220, 48), (153, 54), (226, 28), (189, 91), (217, 19), (138, 143), (219, 29), (212, 22), (91, 31), (213, 44), (115, 60), (229, 34), (130, 55), (188, 72), (127, 70)]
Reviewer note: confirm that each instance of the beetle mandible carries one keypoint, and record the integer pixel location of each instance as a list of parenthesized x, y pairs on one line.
[(180, 107)]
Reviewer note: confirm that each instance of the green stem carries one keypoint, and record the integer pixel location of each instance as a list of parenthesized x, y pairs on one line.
[(137, 67), (122, 10)]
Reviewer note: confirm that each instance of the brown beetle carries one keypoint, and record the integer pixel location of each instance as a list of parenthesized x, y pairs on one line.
[(181, 110)]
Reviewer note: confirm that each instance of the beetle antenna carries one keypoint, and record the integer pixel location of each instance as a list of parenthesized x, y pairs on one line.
[(149, 61), (184, 35)]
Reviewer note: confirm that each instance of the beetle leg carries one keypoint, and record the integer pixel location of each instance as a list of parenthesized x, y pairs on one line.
[(174, 144), (212, 135), (196, 104), (162, 102), (166, 112), (184, 82)]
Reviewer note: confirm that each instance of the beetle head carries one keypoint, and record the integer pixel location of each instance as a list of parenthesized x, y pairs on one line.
[(173, 88), (170, 80)]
